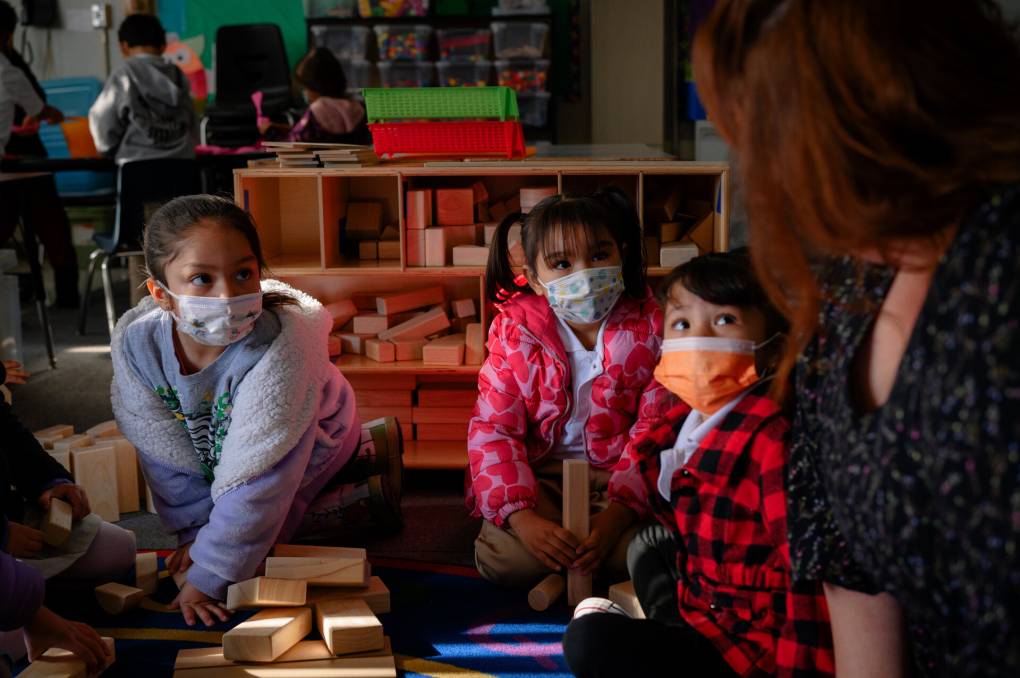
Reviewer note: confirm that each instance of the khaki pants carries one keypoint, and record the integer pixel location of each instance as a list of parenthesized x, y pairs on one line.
[(501, 557)]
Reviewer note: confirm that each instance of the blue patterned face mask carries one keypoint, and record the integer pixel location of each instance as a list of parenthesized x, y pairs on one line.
[(586, 296)]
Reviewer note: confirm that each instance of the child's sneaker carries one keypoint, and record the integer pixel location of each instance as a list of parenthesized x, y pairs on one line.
[(596, 605), (381, 453)]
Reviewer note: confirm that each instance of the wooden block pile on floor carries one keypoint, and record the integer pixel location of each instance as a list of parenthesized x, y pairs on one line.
[(103, 462), (330, 588), (57, 663)]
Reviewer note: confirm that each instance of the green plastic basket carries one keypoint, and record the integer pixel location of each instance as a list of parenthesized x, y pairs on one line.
[(440, 103)]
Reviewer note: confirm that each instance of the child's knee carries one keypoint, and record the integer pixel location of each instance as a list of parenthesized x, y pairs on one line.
[(502, 559), (585, 641)]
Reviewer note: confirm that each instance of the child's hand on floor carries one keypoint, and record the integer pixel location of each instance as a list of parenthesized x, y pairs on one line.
[(47, 629), (72, 494), (22, 541), (193, 602), (16, 374), (552, 544), (179, 560), (606, 528)]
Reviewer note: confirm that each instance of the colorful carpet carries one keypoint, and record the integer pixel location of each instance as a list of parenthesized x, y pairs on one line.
[(445, 621)]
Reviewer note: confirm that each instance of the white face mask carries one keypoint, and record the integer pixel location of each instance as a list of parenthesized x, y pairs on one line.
[(586, 296), (215, 321)]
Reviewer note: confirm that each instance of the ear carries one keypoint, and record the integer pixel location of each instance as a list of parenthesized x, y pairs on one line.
[(123, 49), (158, 294), (536, 287)]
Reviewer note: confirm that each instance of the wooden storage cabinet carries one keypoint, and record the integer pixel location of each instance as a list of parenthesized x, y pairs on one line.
[(301, 218)]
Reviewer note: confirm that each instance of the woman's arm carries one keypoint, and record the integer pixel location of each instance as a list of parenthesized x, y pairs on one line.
[(867, 631)]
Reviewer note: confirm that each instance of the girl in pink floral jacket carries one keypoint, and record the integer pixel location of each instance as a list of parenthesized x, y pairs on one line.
[(568, 376)]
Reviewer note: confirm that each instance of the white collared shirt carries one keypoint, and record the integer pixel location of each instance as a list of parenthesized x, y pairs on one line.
[(585, 366), (15, 89)]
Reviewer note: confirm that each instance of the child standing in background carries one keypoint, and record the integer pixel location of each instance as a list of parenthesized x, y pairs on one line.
[(568, 376), (713, 577), (223, 384)]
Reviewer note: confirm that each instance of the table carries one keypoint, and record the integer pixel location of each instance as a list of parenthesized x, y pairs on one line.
[(14, 181)]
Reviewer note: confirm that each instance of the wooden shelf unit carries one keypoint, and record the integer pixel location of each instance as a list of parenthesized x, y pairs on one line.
[(299, 212)]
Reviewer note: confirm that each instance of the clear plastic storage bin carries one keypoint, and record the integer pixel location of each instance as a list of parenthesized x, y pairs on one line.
[(464, 44), (523, 75), (519, 40), (405, 73), (465, 73), (346, 42), (374, 8), (534, 108), (342, 9), (398, 41), (359, 74)]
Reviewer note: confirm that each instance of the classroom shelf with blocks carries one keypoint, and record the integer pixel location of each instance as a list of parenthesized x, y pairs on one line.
[(312, 221)]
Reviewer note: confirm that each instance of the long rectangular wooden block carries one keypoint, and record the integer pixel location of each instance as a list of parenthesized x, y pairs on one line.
[(677, 253), (381, 382), (389, 250), (435, 246), (470, 255), (380, 351), (354, 344), (334, 347), (64, 459), (374, 665), (375, 595), (266, 592), (463, 308), (348, 626), (341, 311), (576, 518), (59, 663), (315, 551), (371, 323), (319, 571), (402, 414), (623, 595), (127, 473), (455, 206), (474, 344), (442, 415), (95, 469), (106, 429), (267, 634), (414, 247), (115, 598), (303, 651), (368, 250), (48, 436), (703, 232), (428, 323), (671, 231), (448, 350), (409, 300), (651, 250), (418, 208), (56, 526), (447, 395), (407, 349), (441, 432), (147, 572), (389, 398), (72, 442), (364, 220)]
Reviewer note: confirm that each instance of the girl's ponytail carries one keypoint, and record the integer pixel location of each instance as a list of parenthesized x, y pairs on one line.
[(500, 279)]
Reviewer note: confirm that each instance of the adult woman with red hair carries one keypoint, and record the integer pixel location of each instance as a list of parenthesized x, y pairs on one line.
[(878, 143)]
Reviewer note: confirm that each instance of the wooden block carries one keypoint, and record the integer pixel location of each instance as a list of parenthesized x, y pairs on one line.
[(354, 344), (482, 210), (72, 442), (266, 592), (342, 311), (408, 349), (147, 572), (497, 210), (303, 651), (106, 429), (474, 344), (447, 395), (394, 398), (425, 325), (576, 518), (489, 231), (677, 253), (418, 209), (448, 350), (389, 250), (348, 626), (623, 595), (364, 302), (415, 247), (64, 459), (402, 414), (59, 663), (435, 246), (95, 469), (369, 665), (364, 220), (479, 193), (375, 595), (380, 351), (651, 250), (127, 474), (267, 634), (368, 249), (470, 255), (703, 232), (671, 231), (530, 197), (442, 415), (546, 592), (455, 206), (513, 203), (319, 571), (409, 300), (382, 382), (389, 234), (441, 432), (460, 235), (334, 346), (56, 526), (115, 598), (463, 308), (371, 323), (313, 551), (48, 436)]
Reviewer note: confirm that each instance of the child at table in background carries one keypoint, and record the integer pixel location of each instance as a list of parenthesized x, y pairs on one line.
[(243, 426), (713, 578), (568, 376)]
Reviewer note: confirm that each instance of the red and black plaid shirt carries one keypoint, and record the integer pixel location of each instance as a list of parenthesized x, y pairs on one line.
[(728, 509)]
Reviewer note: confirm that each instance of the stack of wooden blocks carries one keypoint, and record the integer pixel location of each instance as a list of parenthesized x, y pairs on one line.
[(103, 462), (329, 586), (431, 411), (366, 234), (676, 230)]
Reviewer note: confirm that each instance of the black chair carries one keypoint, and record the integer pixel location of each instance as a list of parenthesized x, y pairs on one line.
[(142, 187), (249, 58)]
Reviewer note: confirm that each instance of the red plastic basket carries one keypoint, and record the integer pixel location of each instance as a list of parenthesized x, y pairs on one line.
[(483, 137)]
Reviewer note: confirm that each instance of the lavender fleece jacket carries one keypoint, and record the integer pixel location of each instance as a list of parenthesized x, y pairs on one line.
[(21, 589), (294, 425)]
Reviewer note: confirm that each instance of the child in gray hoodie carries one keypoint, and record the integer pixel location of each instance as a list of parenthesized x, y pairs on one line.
[(144, 111)]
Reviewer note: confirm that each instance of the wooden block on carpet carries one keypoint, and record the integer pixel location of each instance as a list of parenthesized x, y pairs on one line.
[(409, 300), (370, 665), (424, 325), (147, 572), (415, 247), (546, 592), (449, 432), (56, 525), (115, 598), (447, 351), (394, 398), (95, 470), (266, 592), (313, 551), (470, 255), (319, 571), (106, 429), (576, 518), (623, 595), (375, 595), (418, 209), (50, 435), (455, 206), (267, 634), (348, 626), (341, 311), (474, 344), (59, 663), (304, 651), (380, 351), (407, 349), (127, 473), (442, 415), (72, 442), (447, 395)]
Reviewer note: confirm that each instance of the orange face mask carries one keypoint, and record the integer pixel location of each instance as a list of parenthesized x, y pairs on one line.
[(707, 372)]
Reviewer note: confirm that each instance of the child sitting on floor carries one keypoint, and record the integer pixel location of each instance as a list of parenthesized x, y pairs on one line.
[(244, 428), (714, 577)]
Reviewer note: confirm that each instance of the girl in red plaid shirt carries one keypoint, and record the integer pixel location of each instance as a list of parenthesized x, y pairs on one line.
[(713, 577)]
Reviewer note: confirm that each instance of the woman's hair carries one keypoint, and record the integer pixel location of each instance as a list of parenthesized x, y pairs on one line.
[(724, 279), (320, 72), (169, 226), (568, 218), (857, 124)]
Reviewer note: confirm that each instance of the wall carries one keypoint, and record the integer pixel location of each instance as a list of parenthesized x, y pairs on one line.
[(627, 51)]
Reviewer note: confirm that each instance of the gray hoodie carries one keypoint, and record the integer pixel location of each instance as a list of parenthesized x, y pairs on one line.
[(145, 112)]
